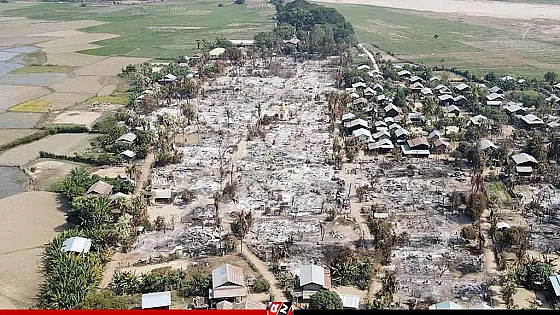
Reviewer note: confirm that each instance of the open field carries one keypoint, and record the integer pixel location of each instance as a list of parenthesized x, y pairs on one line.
[(43, 69), (48, 172), (162, 31), (19, 120), (477, 47), (58, 144), (9, 135), (28, 221), (497, 9)]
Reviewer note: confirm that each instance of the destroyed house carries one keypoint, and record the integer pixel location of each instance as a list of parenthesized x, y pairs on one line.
[(441, 147), (228, 283)]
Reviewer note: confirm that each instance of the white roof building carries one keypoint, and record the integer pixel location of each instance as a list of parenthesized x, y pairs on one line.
[(311, 274), (350, 301), (128, 137)]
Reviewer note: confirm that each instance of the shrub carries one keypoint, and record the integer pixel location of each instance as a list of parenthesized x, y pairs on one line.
[(261, 285), (469, 232)]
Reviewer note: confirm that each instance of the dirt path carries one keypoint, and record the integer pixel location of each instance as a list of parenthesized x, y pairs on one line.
[(145, 171), (370, 56), (263, 269)]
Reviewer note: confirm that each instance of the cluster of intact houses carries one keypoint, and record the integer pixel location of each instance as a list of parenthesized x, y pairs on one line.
[(386, 127)]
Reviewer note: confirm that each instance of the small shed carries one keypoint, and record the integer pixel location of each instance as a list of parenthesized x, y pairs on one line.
[(462, 87), (216, 52), (157, 300), (128, 154)]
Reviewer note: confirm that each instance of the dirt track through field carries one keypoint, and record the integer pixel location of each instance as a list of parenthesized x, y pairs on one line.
[(496, 9)]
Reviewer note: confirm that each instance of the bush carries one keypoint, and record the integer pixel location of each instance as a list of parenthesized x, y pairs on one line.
[(27, 139), (103, 300), (261, 285), (469, 232), (325, 300), (239, 1)]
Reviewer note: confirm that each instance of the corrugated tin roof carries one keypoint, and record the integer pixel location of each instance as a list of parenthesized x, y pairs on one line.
[(462, 86), (128, 137), (485, 144), (76, 244), (532, 119), (100, 188), (348, 116), (495, 89), (350, 301), (417, 141), (217, 51), (157, 299), (524, 169), (482, 306), (128, 153), (227, 274), (248, 305), (311, 274), (523, 158)]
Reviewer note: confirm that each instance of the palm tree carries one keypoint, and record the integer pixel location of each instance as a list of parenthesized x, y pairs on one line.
[(131, 171)]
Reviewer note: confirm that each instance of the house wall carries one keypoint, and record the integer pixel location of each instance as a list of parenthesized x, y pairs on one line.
[(311, 287)]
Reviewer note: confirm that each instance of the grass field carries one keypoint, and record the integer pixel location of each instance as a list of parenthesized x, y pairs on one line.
[(161, 31), (31, 106), (497, 191), (43, 69), (110, 99), (411, 36)]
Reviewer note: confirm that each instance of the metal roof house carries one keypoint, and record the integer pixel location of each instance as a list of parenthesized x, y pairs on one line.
[(383, 145), (496, 89), (359, 85), (426, 91), (157, 300), (417, 147), (128, 137), (347, 117), (494, 96), (228, 282), (415, 78), (392, 110), (128, 153), (515, 108), (168, 78), (100, 188), (76, 244), (481, 306), (477, 120), (524, 163), (362, 135), (363, 67), (447, 305), (355, 125), (531, 120), (312, 278), (462, 87), (434, 135), (460, 100), (404, 73)]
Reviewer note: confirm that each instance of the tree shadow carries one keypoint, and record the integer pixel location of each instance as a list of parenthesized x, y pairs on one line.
[(63, 205)]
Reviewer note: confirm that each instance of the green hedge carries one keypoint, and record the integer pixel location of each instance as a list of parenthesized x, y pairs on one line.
[(92, 159)]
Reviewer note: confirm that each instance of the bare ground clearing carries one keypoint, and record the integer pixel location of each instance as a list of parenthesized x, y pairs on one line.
[(11, 95), (9, 135), (28, 221), (77, 117), (47, 172), (59, 144)]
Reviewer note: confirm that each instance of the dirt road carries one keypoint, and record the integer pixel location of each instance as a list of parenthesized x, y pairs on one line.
[(145, 171), (370, 56), (263, 269), (498, 9)]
